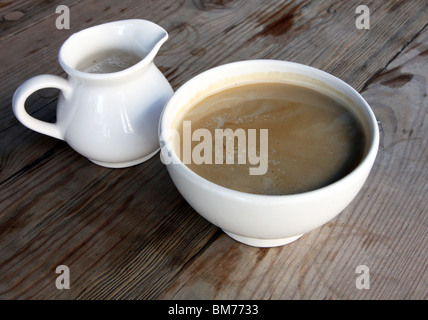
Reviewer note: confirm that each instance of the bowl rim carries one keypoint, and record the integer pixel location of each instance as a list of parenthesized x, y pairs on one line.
[(365, 164)]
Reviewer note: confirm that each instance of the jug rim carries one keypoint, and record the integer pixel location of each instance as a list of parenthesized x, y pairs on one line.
[(122, 34)]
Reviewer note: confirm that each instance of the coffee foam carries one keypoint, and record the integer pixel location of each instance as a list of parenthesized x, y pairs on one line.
[(302, 124)]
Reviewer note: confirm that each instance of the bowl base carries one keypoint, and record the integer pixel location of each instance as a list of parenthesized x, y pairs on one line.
[(118, 165), (262, 243)]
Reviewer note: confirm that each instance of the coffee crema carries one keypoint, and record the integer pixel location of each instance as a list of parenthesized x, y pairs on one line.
[(109, 61), (313, 139)]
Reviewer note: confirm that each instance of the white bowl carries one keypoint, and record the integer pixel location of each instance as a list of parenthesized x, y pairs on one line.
[(263, 220)]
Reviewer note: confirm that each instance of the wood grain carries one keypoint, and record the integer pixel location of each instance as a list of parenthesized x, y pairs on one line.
[(128, 233), (384, 228)]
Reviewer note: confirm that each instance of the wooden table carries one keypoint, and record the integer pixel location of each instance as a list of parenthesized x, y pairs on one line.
[(128, 233)]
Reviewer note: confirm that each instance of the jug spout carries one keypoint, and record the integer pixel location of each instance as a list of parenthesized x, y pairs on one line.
[(138, 38), (148, 37)]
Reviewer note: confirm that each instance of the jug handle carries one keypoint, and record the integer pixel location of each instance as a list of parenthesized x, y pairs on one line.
[(26, 89)]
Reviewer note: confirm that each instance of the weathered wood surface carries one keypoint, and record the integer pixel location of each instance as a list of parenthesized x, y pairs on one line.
[(128, 234)]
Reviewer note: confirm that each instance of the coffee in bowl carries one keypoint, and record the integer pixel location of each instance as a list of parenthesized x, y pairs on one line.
[(312, 140), (306, 98)]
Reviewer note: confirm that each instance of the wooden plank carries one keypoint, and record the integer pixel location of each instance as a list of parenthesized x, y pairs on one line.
[(385, 227), (128, 233), (18, 15), (122, 233), (320, 34)]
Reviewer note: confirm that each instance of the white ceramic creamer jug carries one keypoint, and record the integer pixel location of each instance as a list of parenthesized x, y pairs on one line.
[(109, 117)]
